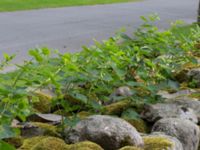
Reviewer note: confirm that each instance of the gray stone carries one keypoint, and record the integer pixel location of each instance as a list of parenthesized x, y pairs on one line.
[(189, 103), (120, 92), (188, 75), (184, 130), (194, 74), (179, 94), (154, 112), (176, 144), (109, 132)]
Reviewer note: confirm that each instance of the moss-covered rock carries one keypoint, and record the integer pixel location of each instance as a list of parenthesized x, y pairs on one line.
[(157, 143), (139, 124), (83, 114), (160, 141), (107, 131), (86, 145), (117, 108), (43, 104), (80, 148), (50, 143), (48, 130), (33, 129), (30, 142), (130, 148), (43, 143)]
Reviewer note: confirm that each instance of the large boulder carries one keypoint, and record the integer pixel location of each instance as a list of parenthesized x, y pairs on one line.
[(109, 132), (184, 130), (160, 141), (154, 112)]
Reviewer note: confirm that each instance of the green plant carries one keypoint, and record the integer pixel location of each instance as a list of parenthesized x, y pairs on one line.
[(85, 80)]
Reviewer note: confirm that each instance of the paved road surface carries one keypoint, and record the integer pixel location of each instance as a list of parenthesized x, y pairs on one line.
[(69, 28)]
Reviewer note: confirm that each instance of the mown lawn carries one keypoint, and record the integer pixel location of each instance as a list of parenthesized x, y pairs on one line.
[(13, 5)]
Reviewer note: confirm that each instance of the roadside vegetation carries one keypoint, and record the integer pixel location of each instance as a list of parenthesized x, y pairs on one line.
[(85, 81), (14, 5)]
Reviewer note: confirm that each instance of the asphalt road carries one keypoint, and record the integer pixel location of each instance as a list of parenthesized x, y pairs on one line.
[(67, 29)]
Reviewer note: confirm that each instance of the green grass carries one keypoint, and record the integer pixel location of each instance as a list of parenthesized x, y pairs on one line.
[(13, 5)]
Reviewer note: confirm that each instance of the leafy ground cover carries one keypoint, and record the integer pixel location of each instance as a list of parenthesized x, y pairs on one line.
[(13, 5), (85, 81)]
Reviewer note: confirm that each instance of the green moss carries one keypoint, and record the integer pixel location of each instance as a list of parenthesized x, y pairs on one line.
[(43, 104), (195, 95), (87, 145), (15, 141), (58, 112), (157, 143), (50, 143), (43, 143), (130, 148), (83, 114), (49, 130), (117, 108), (80, 148), (139, 124), (29, 143)]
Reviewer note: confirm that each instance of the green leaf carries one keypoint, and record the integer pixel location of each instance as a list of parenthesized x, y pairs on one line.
[(36, 55), (79, 97), (144, 18), (130, 114), (6, 56), (71, 122), (46, 51), (6, 146), (135, 84), (95, 105), (7, 132)]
